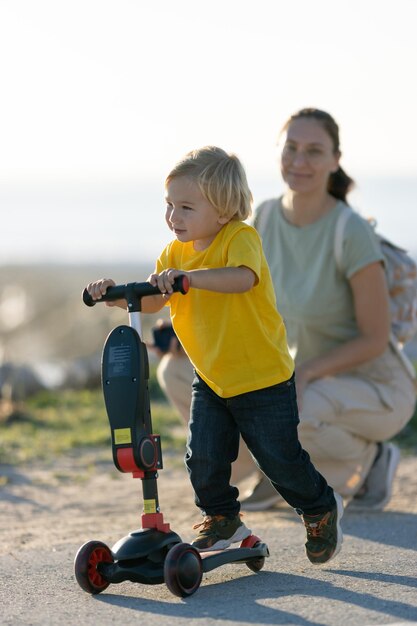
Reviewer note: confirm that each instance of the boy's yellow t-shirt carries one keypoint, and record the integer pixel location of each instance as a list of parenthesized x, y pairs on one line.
[(236, 341)]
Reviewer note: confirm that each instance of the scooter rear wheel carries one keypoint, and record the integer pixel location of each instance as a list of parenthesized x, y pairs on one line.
[(255, 564), (86, 561), (183, 570)]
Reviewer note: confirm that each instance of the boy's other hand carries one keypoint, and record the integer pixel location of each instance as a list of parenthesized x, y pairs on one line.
[(98, 288)]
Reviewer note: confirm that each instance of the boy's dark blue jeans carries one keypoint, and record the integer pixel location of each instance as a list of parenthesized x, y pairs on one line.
[(267, 419)]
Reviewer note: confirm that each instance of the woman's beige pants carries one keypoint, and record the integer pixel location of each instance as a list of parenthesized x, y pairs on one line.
[(342, 419)]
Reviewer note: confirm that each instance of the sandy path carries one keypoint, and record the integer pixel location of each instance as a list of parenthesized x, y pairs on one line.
[(48, 512)]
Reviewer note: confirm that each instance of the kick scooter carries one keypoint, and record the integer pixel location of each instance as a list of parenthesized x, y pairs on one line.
[(154, 553)]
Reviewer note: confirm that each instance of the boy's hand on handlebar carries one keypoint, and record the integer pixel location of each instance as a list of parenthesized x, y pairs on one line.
[(165, 280), (98, 289)]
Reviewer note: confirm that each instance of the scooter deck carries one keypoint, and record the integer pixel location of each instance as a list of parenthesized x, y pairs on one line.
[(215, 558)]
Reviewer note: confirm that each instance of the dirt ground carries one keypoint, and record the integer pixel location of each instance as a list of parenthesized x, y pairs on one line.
[(48, 511)]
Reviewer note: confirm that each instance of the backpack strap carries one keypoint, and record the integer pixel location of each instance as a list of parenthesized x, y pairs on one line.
[(339, 232)]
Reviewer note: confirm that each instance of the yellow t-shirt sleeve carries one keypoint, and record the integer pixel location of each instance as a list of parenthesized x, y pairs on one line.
[(245, 249)]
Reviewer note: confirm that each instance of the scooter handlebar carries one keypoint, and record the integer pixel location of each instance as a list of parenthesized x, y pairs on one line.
[(120, 292)]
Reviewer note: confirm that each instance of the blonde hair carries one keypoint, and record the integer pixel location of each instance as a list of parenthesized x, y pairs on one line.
[(221, 179)]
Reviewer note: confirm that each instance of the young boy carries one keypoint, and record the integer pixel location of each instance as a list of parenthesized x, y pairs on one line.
[(233, 334)]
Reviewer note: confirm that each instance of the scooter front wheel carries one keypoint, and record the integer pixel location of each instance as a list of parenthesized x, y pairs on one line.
[(86, 561), (183, 570)]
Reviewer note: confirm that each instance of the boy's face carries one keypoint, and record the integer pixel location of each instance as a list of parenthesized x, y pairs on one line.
[(189, 215)]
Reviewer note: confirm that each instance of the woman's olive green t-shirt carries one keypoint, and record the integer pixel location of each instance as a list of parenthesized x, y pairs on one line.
[(313, 295)]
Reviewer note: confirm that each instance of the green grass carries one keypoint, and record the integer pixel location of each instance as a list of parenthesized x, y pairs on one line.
[(67, 422), (54, 423)]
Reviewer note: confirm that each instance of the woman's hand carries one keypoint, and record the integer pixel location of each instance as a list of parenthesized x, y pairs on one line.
[(174, 347), (303, 375)]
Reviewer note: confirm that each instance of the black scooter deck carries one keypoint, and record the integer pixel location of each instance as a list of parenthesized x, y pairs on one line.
[(216, 558)]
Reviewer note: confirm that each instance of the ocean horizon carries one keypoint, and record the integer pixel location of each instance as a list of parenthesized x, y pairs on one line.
[(123, 223), (57, 238)]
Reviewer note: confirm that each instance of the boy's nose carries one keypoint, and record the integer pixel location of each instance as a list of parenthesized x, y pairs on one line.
[(174, 216)]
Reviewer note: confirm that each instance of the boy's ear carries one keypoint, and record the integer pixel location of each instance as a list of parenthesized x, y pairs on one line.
[(223, 220)]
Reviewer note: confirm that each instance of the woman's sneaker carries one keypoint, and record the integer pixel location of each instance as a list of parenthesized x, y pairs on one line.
[(217, 532), (324, 534), (378, 484)]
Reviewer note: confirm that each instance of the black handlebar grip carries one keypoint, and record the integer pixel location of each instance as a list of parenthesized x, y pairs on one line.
[(87, 299), (119, 292)]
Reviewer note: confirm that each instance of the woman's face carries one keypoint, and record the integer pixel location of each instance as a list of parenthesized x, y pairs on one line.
[(307, 156)]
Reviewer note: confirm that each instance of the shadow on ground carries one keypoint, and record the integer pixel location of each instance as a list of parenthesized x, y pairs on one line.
[(256, 594), (390, 528)]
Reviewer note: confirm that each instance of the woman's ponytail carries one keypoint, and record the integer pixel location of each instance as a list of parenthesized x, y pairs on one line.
[(339, 184)]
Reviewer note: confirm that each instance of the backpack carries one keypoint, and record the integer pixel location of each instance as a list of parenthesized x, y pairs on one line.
[(401, 275)]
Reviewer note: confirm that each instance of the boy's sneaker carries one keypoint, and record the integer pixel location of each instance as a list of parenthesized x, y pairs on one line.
[(262, 497), (218, 532), (378, 484), (324, 534)]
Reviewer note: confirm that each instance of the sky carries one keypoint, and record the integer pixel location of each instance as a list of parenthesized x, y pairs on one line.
[(114, 92)]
